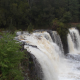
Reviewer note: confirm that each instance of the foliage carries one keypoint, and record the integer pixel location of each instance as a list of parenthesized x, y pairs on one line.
[(78, 26), (19, 14), (30, 28), (14, 13), (66, 17), (56, 24), (10, 57), (62, 29)]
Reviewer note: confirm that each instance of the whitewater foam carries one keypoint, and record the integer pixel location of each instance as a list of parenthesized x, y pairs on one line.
[(48, 53)]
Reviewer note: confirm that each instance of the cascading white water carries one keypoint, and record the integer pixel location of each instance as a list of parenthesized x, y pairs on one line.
[(58, 41), (73, 41), (71, 46), (48, 54), (45, 62)]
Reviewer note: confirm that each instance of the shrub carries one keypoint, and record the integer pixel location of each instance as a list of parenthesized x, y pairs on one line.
[(30, 28), (78, 26), (67, 17), (10, 57), (56, 24)]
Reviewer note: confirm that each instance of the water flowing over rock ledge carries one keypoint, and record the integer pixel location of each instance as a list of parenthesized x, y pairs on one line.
[(47, 54)]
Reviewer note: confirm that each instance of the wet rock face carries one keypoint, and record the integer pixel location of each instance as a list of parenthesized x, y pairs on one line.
[(31, 68), (35, 69), (65, 45)]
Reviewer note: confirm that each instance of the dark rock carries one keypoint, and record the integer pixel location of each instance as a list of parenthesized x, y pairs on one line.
[(31, 68)]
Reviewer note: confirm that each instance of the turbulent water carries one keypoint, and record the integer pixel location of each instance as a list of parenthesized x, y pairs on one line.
[(49, 54), (74, 41)]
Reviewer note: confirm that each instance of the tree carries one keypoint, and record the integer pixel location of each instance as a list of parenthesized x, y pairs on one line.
[(10, 57), (73, 8), (42, 13), (67, 17)]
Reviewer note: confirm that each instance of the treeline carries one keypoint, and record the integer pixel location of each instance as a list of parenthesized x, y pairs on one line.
[(26, 14)]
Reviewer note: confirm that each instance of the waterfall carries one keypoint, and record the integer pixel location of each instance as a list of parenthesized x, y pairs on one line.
[(46, 64), (75, 37), (47, 48), (71, 46), (56, 39), (73, 40), (46, 53)]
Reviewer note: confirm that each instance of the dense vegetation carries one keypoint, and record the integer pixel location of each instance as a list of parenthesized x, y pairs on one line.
[(28, 15), (20, 14), (10, 58), (15, 62)]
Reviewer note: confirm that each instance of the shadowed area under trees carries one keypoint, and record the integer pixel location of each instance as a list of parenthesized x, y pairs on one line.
[(19, 14)]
